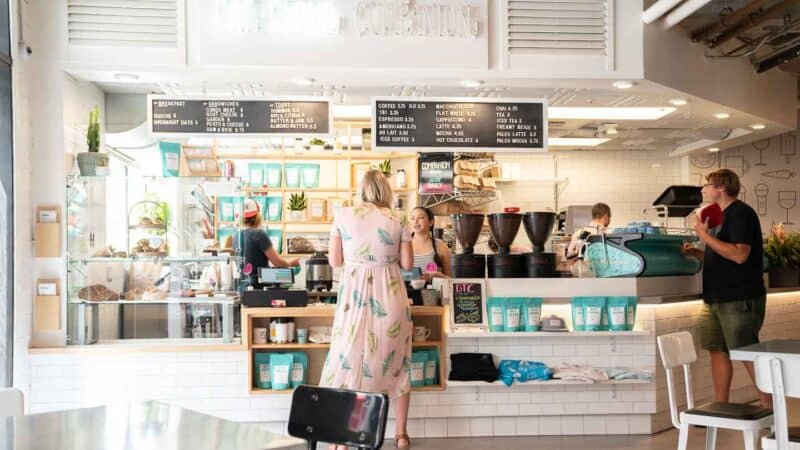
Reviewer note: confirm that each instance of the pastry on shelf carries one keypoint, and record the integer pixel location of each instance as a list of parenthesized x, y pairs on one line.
[(154, 294), (97, 293), (133, 294)]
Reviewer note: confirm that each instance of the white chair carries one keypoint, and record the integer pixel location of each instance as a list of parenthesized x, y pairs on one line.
[(11, 402), (779, 377), (677, 349)]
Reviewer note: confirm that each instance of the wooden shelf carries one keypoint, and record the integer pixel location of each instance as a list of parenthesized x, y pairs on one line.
[(425, 344), (291, 346), (321, 156), (329, 311), (259, 391), (456, 384), (554, 334)]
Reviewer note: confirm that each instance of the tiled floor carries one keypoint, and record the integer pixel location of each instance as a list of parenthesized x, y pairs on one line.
[(668, 440)]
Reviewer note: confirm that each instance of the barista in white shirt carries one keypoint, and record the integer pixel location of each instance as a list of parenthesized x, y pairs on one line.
[(601, 217)]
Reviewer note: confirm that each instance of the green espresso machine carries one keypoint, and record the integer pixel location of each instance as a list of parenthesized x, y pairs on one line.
[(647, 251)]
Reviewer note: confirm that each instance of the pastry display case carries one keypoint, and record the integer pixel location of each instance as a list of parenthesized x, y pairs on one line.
[(144, 260)]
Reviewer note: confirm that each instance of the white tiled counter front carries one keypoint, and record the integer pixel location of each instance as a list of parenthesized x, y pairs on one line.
[(215, 382)]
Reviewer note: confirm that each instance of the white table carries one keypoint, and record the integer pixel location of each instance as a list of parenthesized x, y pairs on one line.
[(140, 426), (788, 348)]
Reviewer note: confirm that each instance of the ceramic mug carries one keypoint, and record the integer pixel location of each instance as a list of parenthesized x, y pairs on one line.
[(302, 335), (421, 334)]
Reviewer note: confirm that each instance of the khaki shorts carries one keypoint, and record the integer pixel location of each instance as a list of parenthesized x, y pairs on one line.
[(730, 325)]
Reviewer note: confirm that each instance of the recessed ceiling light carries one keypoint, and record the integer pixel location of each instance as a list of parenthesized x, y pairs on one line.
[(713, 149), (606, 113), (758, 126), (122, 76), (677, 101), (623, 84), (304, 81), (576, 142), (472, 83), (721, 115)]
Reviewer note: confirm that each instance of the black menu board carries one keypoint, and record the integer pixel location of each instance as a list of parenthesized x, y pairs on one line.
[(469, 306), (459, 124), (175, 116)]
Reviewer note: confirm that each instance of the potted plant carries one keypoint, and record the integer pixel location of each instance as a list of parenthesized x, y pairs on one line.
[(783, 256), (297, 206), (88, 162), (386, 167), (316, 145)]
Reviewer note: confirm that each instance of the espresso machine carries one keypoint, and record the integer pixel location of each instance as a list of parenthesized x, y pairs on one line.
[(538, 227), (504, 264), (467, 264)]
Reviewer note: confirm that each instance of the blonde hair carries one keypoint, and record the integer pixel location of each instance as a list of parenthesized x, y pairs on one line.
[(375, 188)]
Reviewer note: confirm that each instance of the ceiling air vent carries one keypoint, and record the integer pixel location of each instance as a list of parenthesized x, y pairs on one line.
[(564, 27), (123, 23)]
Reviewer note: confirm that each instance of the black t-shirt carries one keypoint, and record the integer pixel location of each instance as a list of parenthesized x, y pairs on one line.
[(253, 243), (725, 280)]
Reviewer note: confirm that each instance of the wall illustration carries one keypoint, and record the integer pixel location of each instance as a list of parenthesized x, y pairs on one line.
[(768, 169)]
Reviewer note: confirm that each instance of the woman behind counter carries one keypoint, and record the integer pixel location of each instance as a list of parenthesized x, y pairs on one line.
[(371, 336), (428, 251), (256, 246)]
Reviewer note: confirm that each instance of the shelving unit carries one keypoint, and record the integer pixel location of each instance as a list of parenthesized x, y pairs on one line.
[(549, 334), (498, 383), (432, 317), (336, 168)]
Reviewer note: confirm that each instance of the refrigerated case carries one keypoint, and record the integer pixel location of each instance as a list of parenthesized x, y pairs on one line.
[(144, 261)]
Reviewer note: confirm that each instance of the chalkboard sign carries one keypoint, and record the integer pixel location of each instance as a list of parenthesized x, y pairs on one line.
[(459, 124), (468, 301), (262, 117), (435, 173)]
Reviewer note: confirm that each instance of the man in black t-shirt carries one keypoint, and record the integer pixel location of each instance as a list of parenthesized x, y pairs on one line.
[(254, 244), (733, 288)]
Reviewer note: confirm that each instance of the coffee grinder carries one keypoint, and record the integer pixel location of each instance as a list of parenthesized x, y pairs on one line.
[(504, 264), (467, 264), (538, 227)]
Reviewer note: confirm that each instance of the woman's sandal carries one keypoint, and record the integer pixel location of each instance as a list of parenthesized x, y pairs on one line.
[(402, 441)]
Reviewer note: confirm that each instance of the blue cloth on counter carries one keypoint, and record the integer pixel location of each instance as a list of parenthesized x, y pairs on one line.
[(522, 371), (626, 373)]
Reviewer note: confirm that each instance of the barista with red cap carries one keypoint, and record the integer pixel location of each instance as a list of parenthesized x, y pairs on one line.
[(255, 244)]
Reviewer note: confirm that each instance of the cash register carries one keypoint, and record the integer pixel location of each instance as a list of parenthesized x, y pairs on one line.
[(275, 290)]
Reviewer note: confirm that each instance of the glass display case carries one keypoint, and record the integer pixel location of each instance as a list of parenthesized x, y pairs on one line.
[(150, 258)]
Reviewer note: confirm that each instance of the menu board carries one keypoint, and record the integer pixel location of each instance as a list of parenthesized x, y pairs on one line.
[(181, 116), (468, 304), (459, 124), (435, 173)]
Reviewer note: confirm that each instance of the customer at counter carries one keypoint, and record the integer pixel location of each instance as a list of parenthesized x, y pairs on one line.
[(734, 297), (256, 246), (601, 218), (431, 255), (371, 336)]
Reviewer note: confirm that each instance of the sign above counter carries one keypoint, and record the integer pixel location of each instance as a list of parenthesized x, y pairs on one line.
[(181, 116), (459, 124)]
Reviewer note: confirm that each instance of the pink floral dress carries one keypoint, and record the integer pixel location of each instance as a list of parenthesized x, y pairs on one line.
[(371, 337)]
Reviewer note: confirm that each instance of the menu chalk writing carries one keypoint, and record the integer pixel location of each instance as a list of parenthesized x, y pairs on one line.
[(466, 124), (251, 117), (468, 304)]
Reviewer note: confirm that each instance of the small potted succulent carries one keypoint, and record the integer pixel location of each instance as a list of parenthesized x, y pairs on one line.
[(297, 206), (783, 256), (386, 167), (90, 161), (316, 145)]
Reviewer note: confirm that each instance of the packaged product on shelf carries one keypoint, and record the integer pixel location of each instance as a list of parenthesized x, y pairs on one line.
[(512, 319), (418, 360), (630, 316), (292, 175), (593, 310), (272, 175), (604, 322), (617, 311), (496, 313), (255, 174), (432, 367), (262, 371), (274, 208), (299, 369), (532, 313), (280, 366), (310, 175), (578, 314)]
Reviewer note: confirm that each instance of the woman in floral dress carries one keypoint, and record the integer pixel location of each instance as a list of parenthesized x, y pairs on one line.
[(371, 338)]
